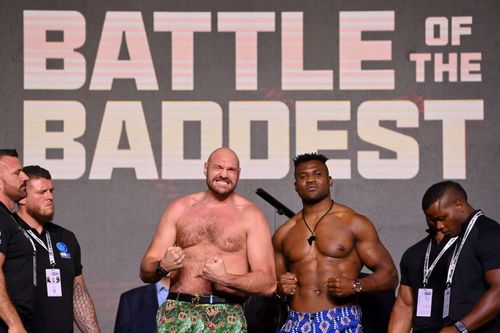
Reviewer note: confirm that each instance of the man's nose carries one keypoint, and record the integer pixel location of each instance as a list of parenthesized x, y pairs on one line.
[(24, 177), (310, 178)]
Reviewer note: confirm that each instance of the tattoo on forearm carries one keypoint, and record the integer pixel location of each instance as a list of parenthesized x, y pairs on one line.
[(83, 309)]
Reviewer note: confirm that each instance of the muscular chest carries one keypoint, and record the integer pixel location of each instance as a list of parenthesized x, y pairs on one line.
[(220, 228), (331, 240)]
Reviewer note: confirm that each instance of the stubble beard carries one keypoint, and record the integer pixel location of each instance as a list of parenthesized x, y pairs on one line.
[(40, 217), (314, 199), (16, 194), (218, 191)]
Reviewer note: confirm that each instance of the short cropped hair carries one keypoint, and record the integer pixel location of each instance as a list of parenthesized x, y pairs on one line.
[(309, 157), (36, 172), (8, 152), (437, 191)]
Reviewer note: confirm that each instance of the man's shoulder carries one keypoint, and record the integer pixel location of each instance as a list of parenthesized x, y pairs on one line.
[(187, 200), (345, 212), (488, 230), (417, 247), (60, 232), (52, 227), (488, 223), (351, 218), (283, 229), (137, 290), (8, 223)]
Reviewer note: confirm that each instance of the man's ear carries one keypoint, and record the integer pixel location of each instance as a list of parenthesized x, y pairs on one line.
[(205, 167), (459, 205), (295, 186), (330, 180), (22, 202)]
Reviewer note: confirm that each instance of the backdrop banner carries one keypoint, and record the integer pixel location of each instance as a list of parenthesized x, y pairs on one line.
[(123, 101)]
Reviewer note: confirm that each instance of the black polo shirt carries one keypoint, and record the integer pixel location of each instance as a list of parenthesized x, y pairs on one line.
[(412, 275), (18, 266), (480, 253), (55, 314)]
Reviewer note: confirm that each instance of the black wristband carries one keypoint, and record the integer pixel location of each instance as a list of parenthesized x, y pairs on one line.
[(160, 270)]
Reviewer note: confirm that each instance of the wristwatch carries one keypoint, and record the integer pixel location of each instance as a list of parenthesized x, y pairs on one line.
[(461, 327), (161, 271), (357, 287)]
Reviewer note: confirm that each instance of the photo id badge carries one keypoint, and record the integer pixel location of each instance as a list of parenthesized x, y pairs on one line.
[(446, 303), (53, 279), (424, 302)]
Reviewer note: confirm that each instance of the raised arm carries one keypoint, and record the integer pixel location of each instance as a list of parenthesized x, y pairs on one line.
[(8, 312), (375, 256), (261, 278), (402, 311), (163, 240), (83, 308)]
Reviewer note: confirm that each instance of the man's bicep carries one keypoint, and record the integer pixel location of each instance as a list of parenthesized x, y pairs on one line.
[(370, 249), (279, 257), (492, 278), (259, 247), (405, 296), (279, 260), (164, 236)]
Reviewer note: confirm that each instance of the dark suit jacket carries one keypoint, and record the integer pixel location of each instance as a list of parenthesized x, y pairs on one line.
[(137, 310)]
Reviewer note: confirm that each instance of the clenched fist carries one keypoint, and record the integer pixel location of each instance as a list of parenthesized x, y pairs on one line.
[(287, 284), (173, 258)]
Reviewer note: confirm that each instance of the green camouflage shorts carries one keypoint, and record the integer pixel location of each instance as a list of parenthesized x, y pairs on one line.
[(183, 317)]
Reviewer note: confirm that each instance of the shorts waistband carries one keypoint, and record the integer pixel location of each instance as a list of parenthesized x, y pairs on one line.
[(204, 299), (339, 311)]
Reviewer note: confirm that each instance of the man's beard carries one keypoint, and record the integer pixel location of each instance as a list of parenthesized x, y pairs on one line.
[(41, 218), (312, 200), (216, 190)]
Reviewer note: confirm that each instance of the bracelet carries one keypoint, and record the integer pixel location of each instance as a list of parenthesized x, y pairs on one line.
[(162, 272), (461, 327), (357, 287)]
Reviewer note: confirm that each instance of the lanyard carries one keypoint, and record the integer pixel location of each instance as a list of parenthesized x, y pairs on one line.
[(47, 248), (32, 245), (428, 270), (456, 252)]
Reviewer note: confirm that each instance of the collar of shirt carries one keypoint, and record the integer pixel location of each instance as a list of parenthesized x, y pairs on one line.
[(161, 293)]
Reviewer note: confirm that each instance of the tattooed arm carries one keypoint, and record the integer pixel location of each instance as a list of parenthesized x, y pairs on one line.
[(83, 308)]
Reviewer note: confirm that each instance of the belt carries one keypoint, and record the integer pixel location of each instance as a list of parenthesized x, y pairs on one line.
[(204, 299)]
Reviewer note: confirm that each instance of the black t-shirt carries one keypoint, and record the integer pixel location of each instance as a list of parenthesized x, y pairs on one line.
[(480, 253), (18, 266), (412, 275), (55, 314)]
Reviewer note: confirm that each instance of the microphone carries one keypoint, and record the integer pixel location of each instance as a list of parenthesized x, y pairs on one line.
[(280, 208)]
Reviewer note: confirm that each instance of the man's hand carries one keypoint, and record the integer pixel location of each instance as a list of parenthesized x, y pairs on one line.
[(287, 284), (173, 258), (340, 286), (214, 269)]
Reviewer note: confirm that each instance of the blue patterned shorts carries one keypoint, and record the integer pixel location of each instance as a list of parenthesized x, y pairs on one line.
[(343, 319)]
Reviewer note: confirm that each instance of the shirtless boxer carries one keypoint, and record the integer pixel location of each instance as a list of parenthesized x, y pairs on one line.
[(319, 253), (216, 247)]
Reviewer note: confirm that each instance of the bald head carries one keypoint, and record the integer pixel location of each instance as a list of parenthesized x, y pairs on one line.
[(224, 152), (222, 171)]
